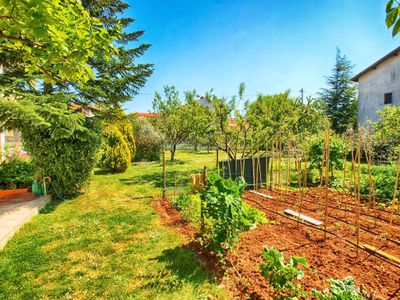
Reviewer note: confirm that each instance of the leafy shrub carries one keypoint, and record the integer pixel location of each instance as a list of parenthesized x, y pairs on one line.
[(191, 212), (68, 158), (225, 213), (337, 148), (182, 201), (16, 172), (148, 142), (282, 276), (115, 153), (345, 289)]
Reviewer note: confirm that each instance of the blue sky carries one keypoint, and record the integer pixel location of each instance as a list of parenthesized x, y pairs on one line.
[(271, 45)]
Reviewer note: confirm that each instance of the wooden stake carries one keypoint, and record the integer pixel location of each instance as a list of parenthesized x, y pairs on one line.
[(217, 163), (395, 191), (201, 202), (164, 177), (279, 162), (266, 164), (327, 161), (358, 190), (252, 162)]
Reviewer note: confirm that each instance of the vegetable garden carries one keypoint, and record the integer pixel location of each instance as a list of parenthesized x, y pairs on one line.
[(325, 204)]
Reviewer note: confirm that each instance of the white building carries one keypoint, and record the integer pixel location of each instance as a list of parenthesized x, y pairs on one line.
[(378, 85)]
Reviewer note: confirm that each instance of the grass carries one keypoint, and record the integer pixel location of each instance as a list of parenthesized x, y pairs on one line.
[(105, 245)]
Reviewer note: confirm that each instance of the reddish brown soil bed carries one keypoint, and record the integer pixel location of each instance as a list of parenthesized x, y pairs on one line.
[(15, 196), (336, 257)]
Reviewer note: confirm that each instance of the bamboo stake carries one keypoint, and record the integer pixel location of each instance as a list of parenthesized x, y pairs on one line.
[(358, 190), (371, 182), (395, 191), (217, 163), (288, 163), (279, 163), (175, 186), (256, 169), (323, 161), (259, 171), (266, 164), (164, 178), (252, 163), (229, 167), (271, 170), (327, 161), (243, 161)]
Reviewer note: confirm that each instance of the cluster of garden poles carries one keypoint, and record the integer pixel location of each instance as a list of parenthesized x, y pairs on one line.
[(282, 156)]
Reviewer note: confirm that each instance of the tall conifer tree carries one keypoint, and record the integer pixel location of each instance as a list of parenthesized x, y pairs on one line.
[(340, 96)]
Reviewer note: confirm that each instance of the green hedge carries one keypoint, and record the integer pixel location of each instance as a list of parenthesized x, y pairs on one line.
[(16, 172)]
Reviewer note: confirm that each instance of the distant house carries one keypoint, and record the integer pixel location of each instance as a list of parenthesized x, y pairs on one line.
[(378, 85), (147, 115), (10, 141)]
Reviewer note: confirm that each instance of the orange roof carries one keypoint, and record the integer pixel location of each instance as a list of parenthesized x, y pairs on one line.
[(145, 115)]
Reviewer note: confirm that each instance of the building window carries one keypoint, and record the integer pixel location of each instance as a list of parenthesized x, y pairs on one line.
[(388, 98)]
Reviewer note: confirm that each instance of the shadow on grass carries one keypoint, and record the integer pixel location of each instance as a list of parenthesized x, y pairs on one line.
[(156, 179), (181, 267), (50, 207)]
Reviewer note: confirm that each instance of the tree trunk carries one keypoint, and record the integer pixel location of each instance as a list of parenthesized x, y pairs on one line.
[(195, 146), (173, 150)]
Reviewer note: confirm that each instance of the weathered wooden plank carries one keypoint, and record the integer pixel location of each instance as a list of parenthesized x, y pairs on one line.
[(262, 195), (381, 253), (303, 217)]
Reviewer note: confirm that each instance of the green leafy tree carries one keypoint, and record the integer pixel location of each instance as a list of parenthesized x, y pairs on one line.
[(229, 127), (53, 40), (386, 130), (393, 16), (340, 95), (176, 118), (202, 116)]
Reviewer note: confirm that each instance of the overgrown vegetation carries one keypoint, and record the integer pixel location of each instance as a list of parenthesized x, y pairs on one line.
[(283, 276)]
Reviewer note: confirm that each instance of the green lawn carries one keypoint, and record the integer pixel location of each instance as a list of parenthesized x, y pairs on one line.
[(104, 244)]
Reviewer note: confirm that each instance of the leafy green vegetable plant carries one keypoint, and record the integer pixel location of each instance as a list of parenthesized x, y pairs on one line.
[(225, 213), (282, 276), (345, 289)]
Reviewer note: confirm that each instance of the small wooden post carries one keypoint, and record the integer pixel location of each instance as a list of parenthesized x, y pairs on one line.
[(164, 177), (201, 201), (327, 160), (175, 186), (252, 165), (217, 163), (395, 190), (266, 164)]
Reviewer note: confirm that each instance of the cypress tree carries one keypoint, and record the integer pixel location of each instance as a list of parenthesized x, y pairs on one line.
[(340, 96)]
